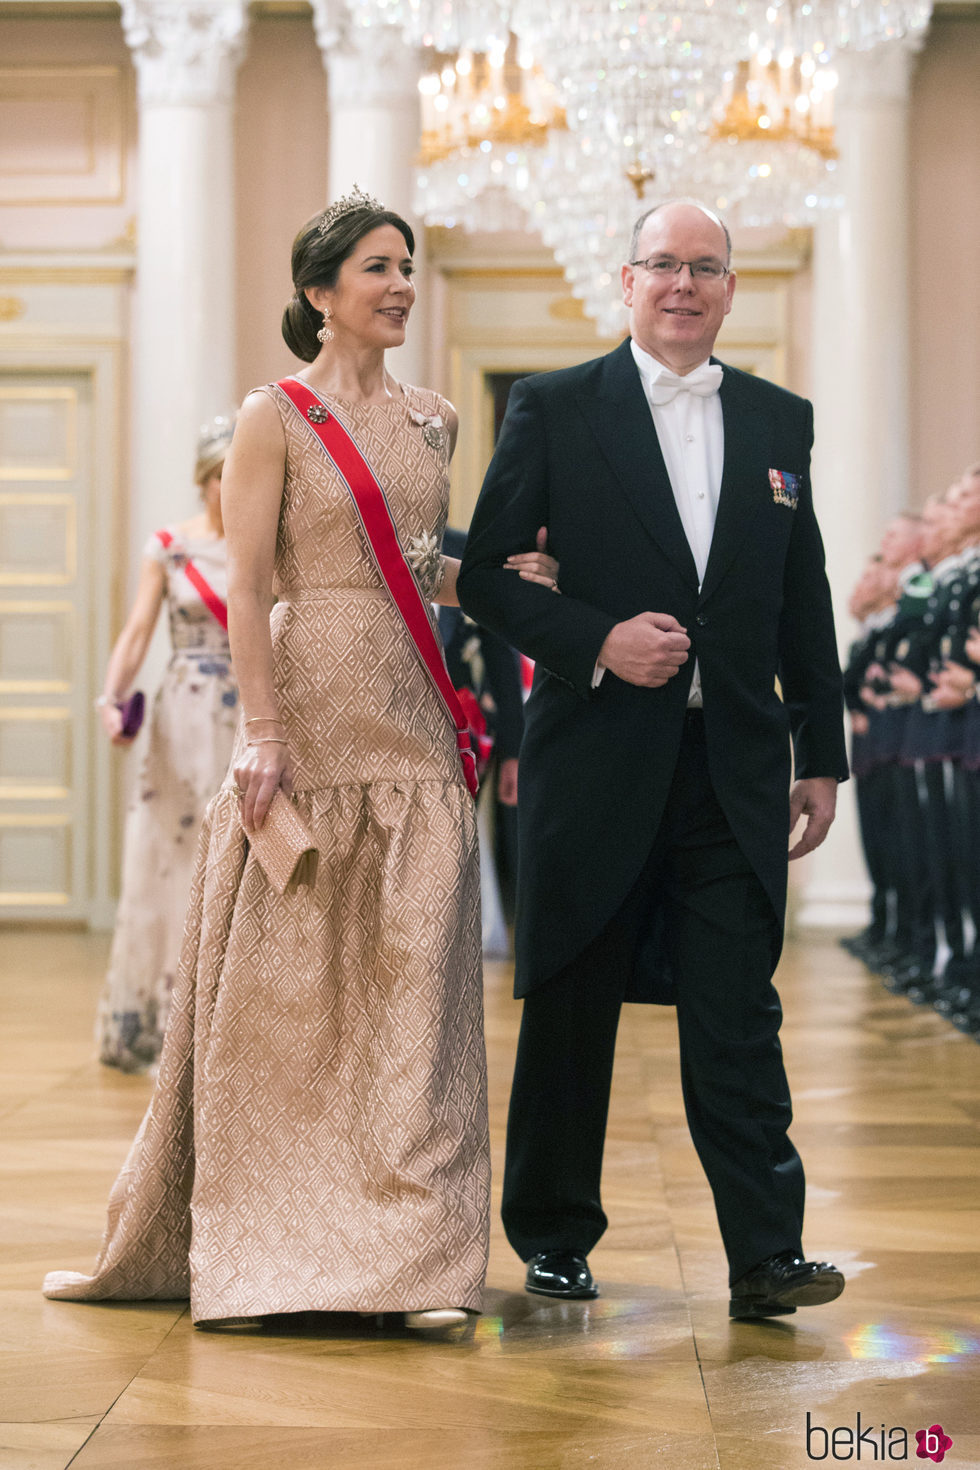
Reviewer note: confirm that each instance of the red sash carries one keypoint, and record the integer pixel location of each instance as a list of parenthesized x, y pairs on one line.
[(207, 594), (376, 520), (480, 739), (527, 674)]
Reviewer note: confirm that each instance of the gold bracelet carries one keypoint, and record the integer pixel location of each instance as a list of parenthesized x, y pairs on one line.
[(264, 719), (268, 740)]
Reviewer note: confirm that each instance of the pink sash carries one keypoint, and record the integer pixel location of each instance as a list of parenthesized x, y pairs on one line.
[(207, 594), (375, 517)]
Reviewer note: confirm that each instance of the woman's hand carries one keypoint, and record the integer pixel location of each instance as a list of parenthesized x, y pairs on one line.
[(129, 649), (536, 566), (111, 717), (262, 768)]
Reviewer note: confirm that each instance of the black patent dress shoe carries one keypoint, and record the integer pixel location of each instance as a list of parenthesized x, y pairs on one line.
[(563, 1274), (900, 977), (878, 957), (953, 999), (780, 1284), (968, 1020)]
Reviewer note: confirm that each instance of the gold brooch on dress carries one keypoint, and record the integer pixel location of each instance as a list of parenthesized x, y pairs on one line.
[(427, 562), (434, 431), (317, 414)]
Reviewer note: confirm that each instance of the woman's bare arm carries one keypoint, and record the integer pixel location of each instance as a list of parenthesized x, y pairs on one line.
[(129, 649), (251, 497)]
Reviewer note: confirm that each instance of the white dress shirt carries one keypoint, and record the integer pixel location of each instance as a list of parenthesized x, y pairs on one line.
[(692, 440)]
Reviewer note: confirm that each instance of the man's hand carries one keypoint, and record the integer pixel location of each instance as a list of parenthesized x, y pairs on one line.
[(815, 799), (860, 723), (507, 781), (646, 650), (952, 686), (957, 676), (904, 682), (947, 696)]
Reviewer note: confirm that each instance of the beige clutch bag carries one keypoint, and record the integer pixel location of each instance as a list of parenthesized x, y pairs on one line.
[(284, 847)]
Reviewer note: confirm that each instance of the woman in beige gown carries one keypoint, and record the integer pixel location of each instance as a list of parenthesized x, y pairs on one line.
[(192, 724), (318, 1135)]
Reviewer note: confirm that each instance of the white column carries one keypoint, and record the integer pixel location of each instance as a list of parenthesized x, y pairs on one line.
[(185, 56), (373, 97), (860, 390)]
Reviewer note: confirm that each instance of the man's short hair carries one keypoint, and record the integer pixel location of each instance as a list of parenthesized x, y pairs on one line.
[(683, 199)]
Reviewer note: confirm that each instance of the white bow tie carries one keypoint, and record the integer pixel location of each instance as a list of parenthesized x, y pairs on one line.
[(704, 381)]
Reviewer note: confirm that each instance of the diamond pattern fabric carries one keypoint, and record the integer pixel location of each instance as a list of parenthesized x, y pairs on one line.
[(317, 1139)]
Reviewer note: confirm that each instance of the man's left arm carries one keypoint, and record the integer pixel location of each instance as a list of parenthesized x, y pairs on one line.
[(561, 633), (809, 670)]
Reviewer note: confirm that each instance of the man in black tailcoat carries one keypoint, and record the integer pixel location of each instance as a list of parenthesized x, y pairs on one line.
[(655, 771)]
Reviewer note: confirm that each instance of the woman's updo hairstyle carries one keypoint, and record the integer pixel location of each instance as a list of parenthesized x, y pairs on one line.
[(316, 260)]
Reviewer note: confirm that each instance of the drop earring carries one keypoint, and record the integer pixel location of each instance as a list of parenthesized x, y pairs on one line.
[(325, 334)]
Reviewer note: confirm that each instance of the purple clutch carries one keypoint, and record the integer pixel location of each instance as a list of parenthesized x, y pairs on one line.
[(132, 710)]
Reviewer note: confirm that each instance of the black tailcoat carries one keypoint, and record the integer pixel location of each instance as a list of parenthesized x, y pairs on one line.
[(500, 677), (578, 453)]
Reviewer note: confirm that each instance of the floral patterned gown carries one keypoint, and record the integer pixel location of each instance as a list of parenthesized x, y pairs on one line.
[(317, 1139), (192, 728)]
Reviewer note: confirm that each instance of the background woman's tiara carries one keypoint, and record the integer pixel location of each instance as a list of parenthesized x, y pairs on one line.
[(213, 443), (216, 434), (347, 204)]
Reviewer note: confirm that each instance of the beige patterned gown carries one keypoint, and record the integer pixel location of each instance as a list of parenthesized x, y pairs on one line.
[(317, 1139), (192, 731)]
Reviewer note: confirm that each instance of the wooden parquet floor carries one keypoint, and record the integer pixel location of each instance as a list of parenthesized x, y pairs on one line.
[(651, 1374)]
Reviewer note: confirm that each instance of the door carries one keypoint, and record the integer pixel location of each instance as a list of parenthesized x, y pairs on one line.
[(46, 679)]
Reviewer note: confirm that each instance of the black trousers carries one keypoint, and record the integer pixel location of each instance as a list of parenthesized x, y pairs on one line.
[(917, 896), (719, 933), (872, 806), (946, 883)]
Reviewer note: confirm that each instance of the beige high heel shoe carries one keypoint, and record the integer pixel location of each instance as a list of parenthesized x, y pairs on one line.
[(435, 1318)]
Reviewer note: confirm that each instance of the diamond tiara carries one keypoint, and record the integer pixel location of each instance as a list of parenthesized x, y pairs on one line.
[(347, 204), (215, 434), (213, 443)]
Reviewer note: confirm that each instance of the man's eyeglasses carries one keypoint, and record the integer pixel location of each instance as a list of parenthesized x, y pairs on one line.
[(668, 265)]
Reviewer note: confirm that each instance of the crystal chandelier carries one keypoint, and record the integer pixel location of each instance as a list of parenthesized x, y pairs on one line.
[(483, 117), (817, 28), (471, 98), (765, 155), (445, 25), (730, 102), (629, 67), (769, 100)]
